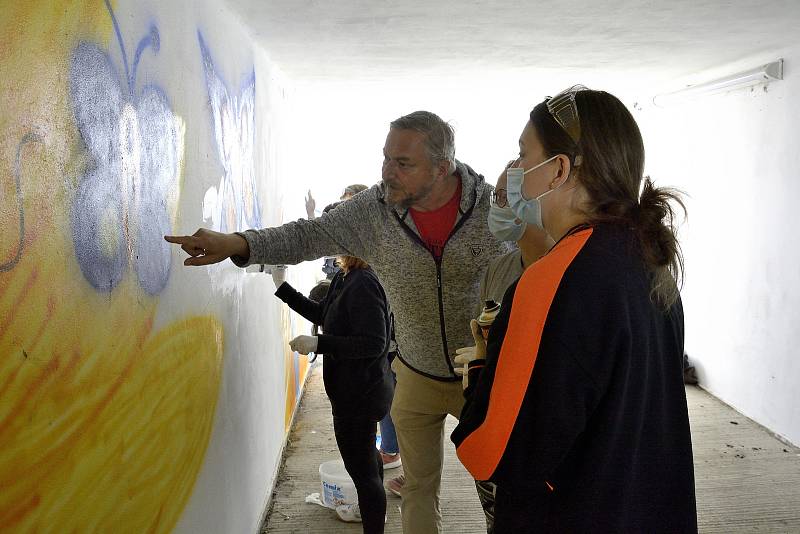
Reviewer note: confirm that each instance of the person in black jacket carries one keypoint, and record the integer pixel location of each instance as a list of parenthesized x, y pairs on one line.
[(576, 407), (355, 319)]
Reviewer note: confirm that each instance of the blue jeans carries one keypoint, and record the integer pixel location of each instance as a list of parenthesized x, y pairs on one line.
[(388, 434)]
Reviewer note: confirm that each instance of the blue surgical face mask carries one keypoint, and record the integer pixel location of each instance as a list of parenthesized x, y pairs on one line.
[(503, 223), (329, 266), (527, 210)]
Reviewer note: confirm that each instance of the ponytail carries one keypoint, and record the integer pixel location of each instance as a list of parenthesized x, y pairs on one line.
[(654, 220)]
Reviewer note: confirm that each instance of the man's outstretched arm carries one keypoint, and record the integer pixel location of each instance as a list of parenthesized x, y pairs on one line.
[(349, 229)]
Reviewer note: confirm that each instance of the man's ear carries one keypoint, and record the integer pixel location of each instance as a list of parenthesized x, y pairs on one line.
[(443, 168)]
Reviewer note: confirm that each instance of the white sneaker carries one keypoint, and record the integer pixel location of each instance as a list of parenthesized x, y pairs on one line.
[(349, 513), (391, 461)]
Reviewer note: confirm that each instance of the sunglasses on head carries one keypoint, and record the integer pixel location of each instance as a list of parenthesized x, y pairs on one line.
[(564, 110)]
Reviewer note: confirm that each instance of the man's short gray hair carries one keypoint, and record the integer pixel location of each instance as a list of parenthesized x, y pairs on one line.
[(439, 135)]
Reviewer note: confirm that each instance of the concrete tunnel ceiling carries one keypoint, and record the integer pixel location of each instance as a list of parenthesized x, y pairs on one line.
[(649, 41)]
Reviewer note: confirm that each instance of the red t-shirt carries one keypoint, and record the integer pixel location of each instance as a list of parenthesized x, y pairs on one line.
[(435, 226)]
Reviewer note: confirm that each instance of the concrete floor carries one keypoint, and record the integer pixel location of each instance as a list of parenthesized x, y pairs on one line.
[(747, 480)]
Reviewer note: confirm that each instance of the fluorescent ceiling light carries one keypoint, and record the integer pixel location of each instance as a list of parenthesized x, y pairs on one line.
[(763, 74)]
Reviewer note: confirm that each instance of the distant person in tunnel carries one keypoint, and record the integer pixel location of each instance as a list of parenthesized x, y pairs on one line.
[(329, 268), (352, 190), (329, 263), (576, 407), (349, 192), (423, 229)]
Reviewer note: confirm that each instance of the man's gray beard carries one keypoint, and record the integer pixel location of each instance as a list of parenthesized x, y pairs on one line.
[(403, 203), (408, 200)]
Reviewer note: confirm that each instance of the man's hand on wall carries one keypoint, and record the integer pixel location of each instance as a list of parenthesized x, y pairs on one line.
[(207, 246)]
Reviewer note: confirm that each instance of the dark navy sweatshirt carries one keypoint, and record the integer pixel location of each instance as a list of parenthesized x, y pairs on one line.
[(579, 409)]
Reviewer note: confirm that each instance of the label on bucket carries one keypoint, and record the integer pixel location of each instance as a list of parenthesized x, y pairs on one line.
[(332, 494), (337, 487)]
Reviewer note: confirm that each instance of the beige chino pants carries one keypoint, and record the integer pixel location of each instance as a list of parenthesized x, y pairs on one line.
[(419, 408)]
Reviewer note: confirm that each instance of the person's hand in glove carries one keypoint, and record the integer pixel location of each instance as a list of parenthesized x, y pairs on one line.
[(278, 274), (465, 355), (304, 344)]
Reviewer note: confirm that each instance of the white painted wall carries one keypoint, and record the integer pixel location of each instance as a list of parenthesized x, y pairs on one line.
[(736, 157), (243, 455)]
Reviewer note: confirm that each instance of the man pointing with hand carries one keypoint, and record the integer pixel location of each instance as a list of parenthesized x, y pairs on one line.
[(423, 229)]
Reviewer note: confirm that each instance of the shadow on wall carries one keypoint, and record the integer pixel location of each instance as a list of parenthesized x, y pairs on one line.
[(104, 421)]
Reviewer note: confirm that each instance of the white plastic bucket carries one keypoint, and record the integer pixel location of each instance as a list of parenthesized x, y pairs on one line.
[(337, 486)]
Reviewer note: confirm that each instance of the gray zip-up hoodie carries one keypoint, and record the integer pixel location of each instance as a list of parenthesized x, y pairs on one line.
[(433, 302)]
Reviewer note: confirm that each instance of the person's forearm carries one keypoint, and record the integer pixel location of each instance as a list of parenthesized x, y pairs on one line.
[(345, 230), (240, 247), (288, 244), (310, 310), (352, 347)]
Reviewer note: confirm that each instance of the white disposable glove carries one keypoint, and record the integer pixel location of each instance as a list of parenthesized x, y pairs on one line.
[(278, 274), (304, 344), (465, 355)]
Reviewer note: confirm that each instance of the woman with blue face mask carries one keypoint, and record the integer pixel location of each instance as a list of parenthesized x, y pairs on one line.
[(532, 242), (576, 408), (506, 225)]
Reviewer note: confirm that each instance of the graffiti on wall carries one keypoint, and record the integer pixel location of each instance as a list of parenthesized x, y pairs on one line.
[(119, 213), (233, 205), (29, 137), (106, 409)]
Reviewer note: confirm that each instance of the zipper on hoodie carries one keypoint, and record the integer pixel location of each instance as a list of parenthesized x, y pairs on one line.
[(458, 225), (441, 308), (439, 295)]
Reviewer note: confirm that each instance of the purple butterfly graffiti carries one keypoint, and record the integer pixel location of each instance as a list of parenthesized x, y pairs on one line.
[(119, 212), (234, 205)]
